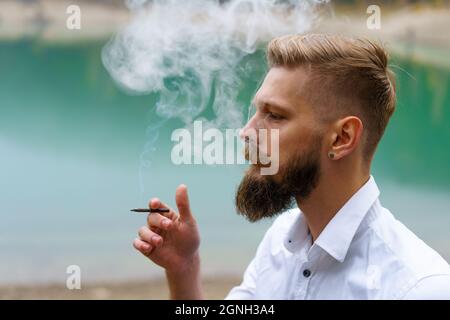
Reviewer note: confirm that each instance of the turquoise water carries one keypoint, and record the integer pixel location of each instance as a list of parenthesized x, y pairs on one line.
[(71, 168)]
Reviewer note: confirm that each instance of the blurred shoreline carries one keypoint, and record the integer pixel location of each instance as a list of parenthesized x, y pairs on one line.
[(418, 32), (146, 289), (45, 20)]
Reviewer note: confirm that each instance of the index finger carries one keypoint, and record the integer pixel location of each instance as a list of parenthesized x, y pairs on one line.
[(155, 203)]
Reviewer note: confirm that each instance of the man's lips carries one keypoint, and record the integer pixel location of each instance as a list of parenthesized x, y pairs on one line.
[(262, 159)]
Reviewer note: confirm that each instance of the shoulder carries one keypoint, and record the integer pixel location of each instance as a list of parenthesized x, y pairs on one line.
[(435, 287), (412, 267)]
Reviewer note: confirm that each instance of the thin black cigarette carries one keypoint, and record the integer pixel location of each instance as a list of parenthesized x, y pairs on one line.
[(158, 210)]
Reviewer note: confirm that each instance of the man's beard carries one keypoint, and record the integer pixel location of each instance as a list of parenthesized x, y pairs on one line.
[(260, 196)]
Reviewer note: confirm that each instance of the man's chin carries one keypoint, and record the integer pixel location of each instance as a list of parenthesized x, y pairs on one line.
[(259, 196)]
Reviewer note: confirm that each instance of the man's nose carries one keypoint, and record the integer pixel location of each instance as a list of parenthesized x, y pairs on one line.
[(249, 128)]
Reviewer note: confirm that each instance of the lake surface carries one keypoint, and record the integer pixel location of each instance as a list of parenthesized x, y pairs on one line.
[(73, 147)]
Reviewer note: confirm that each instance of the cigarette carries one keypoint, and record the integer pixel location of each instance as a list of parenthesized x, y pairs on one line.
[(158, 210)]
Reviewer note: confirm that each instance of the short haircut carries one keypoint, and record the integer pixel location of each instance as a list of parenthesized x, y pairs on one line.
[(347, 77)]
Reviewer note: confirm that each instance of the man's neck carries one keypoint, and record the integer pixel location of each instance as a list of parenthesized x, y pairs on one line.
[(330, 195)]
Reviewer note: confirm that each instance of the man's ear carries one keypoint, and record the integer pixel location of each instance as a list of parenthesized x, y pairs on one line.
[(346, 136)]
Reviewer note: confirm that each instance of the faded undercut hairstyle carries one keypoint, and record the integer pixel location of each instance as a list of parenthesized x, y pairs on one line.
[(346, 77)]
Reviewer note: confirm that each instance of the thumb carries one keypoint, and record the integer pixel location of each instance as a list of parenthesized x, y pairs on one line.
[(182, 200)]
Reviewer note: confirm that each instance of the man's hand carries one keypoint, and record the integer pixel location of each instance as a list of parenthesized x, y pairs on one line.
[(172, 241)]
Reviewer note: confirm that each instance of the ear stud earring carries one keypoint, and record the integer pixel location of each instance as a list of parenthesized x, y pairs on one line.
[(331, 155)]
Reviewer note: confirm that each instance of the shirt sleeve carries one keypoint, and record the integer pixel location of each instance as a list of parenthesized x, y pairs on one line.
[(246, 290), (435, 287)]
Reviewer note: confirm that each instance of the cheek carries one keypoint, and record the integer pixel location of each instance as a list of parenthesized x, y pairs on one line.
[(274, 138), (287, 148), (298, 141), (289, 142), (292, 137)]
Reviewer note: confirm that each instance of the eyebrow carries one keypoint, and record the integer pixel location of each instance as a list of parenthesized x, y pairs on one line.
[(272, 105)]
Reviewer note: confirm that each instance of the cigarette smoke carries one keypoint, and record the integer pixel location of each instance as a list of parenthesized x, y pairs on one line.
[(188, 51)]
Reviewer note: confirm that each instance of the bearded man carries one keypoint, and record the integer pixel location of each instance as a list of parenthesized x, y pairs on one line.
[(330, 99)]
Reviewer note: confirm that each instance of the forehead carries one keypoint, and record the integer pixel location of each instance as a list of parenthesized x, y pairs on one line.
[(283, 86)]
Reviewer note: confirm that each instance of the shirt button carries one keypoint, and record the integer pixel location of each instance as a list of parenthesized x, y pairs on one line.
[(306, 273)]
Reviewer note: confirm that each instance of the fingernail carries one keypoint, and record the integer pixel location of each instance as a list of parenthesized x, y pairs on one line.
[(154, 202)]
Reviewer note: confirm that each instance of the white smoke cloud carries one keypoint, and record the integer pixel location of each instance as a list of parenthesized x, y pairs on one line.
[(187, 50)]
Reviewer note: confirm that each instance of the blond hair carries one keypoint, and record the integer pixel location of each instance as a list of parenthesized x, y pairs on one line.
[(347, 76)]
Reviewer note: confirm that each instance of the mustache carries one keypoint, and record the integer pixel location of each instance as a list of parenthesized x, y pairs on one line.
[(254, 154)]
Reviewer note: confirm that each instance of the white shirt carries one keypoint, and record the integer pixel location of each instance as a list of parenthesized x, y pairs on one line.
[(363, 253)]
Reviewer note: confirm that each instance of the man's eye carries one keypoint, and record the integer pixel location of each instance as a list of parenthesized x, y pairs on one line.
[(274, 116)]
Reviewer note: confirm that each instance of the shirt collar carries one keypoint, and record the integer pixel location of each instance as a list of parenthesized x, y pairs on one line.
[(338, 234)]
